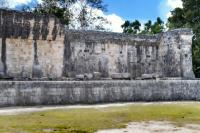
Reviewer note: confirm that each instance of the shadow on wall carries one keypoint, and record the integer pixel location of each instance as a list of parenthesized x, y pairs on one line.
[(35, 46)]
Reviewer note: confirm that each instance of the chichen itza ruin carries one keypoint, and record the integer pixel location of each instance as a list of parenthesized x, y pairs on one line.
[(43, 63)]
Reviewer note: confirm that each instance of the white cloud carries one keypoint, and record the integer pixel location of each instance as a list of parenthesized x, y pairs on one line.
[(114, 21), (174, 3), (169, 14), (166, 6), (14, 3), (39, 1)]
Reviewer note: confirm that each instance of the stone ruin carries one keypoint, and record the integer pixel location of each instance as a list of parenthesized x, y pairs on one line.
[(35, 46)]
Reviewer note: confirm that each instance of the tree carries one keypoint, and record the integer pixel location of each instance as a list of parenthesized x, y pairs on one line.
[(86, 17), (149, 28), (177, 20), (136, 26), (127, 27), (83, 17), (3, 4), (133, 27), (189, 16), (158, 26), (59, 8), (62, 9)]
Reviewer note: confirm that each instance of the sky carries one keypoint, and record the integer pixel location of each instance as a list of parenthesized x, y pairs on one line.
[(142, 10), (121, 10)]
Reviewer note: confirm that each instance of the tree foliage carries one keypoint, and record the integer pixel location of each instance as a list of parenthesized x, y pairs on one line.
[(177, 20), (58, 8), (149, 27), (3, 4), (189, 16), (61, 9), (158, 26), (131, 27)]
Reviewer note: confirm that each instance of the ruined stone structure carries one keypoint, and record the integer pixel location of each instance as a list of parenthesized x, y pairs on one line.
[(37, 46), (21, 93)]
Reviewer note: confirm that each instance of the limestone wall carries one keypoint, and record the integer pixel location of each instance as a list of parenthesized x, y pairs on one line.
[(34, 46), (20, 93), (31, 45), (110, 54), (128, 56)]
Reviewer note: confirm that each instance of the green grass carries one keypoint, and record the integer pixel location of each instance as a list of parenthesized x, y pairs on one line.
[(91, 120)]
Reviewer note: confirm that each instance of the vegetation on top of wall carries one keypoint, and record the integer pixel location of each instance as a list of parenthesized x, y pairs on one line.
[(189, 16), (149, 27), (84, 16), (186, 17)]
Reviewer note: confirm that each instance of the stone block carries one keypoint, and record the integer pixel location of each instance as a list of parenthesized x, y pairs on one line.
[(37, 71), (96, 75), (88, 76), (18, 93), (126, 75), (1, 70), (149, 76), (80, 77), (120, 76)]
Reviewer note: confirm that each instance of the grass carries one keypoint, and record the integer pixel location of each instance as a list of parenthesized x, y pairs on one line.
[(91, 120)]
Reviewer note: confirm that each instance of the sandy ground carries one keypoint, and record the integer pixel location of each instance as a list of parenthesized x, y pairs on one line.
[(22, 110), (154, 127)]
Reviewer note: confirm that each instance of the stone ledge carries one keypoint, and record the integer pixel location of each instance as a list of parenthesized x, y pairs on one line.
[(28, 93)]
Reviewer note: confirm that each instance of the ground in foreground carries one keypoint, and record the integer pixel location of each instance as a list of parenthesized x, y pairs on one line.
[(155, 127), (89, 120)]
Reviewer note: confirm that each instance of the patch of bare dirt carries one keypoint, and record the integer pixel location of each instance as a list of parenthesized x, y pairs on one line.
[(154, 127)]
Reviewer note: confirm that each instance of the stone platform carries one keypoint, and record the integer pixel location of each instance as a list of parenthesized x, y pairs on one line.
[(28, 93)]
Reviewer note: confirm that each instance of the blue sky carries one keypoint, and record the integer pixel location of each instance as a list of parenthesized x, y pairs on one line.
[(143, 10), (121, 10), (134, 9)]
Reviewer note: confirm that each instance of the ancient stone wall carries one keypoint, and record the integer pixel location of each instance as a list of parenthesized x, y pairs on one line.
[(34, 46), (111, 55), (26, 93), (31, 45), (121, 56)]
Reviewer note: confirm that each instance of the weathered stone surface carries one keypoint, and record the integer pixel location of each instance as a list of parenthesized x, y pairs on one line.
[(34, 43), (88, 76), (149, 76), (80, 77), (28, 43), (2, 74), (118, 54), (37, 71), (19, 93), (120, 76), (96, 75)]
